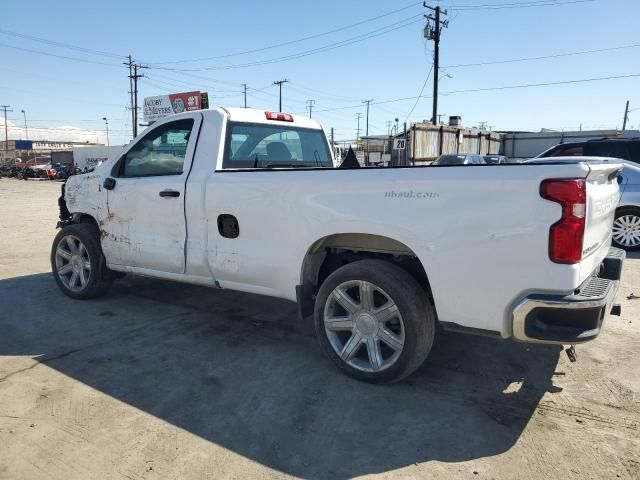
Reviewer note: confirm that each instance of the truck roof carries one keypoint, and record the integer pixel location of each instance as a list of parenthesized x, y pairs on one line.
[(254, 115)]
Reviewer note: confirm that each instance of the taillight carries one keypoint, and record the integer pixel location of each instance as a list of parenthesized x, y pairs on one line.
[(567, 234), (282, 117)]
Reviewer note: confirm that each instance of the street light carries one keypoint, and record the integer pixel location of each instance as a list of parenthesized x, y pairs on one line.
[(26, 132), (106, 123)]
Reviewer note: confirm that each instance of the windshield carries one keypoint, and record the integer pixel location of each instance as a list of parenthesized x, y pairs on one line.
[(266, 146), (450, 160)]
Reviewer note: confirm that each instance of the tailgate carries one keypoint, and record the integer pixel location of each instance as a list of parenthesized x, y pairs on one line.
[(602, 200)]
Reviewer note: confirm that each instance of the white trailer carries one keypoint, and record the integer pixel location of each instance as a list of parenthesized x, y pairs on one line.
[(91, 157)]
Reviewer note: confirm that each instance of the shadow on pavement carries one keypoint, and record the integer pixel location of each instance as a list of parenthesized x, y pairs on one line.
[(241, 371)]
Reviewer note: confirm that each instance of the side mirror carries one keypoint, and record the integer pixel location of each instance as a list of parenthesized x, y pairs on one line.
[(109, 183)]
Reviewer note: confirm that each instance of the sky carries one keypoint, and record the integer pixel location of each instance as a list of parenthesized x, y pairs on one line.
[(61, 62)]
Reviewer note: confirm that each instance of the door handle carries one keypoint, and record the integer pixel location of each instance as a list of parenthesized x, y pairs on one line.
[(169, 193)]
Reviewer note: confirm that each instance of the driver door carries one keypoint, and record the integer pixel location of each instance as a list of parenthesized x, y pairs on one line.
[(146, 226)]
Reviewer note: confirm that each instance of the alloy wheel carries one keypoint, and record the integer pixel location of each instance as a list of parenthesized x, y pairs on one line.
[(626, 230), (364, 326), (72, 263)]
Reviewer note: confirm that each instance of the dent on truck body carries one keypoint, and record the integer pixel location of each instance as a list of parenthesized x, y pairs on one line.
[(83, 195)]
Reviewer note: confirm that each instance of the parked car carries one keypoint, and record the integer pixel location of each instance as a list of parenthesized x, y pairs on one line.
[(249, 200), (460, 159), (626, 228), (61, 171), (624, 148), (496, 159)]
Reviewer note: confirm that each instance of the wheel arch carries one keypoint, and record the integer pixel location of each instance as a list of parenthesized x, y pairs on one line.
[(330, 252), (80, 217)]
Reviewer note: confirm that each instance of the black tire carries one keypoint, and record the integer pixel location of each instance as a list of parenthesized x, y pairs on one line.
[(632, 245), (99, 278), (416, 311)]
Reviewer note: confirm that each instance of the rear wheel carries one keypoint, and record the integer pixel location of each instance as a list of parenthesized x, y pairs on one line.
[(374, 321), (77, 262), (626, 228)]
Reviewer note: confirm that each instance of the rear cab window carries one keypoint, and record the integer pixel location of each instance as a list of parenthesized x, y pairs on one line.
[(260, 146)]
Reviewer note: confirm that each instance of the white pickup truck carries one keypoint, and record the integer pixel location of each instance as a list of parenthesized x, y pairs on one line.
[(251, 200)]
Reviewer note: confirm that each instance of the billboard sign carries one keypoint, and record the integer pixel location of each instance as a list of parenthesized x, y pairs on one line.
[(162, 106)]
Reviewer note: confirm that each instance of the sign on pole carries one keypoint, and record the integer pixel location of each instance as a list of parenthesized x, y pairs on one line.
[(399, 144), (162, 106)]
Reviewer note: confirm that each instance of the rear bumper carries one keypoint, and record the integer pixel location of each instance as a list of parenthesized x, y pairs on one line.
[(575, 318)]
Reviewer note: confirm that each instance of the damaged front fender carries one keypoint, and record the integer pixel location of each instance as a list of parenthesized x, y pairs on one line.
[(64, 215)]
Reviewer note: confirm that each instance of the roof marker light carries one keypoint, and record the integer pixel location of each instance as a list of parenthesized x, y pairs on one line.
[(279, 116)]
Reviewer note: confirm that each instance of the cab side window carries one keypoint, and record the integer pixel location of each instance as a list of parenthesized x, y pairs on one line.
[(161, 152)]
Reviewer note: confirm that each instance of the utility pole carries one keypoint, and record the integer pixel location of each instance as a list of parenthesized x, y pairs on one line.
[(368, 102), (358, 116), (279, 83), (245, 94), (626, 116), (388, 125), (135, 77), (396, 126), (133, 118), (6, 131), (310, 104), (433, 33), (26, 131), (482, 125), (133, 91)]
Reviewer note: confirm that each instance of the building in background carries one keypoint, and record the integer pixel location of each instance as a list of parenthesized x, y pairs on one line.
[(38, 151)]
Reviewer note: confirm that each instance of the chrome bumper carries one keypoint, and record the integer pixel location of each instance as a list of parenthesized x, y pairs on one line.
[(575, 318)]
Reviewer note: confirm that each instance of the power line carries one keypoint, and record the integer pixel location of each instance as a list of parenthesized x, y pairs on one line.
[(62, 45), (424, 85), (320, 93), (291, 42), (501, 6), (529, 85), (343, 43), (64, 57), (543, 57), (505, 87)]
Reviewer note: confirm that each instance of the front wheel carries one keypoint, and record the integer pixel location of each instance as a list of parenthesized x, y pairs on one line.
[(374, 321), (77, 262), (626, 228)]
